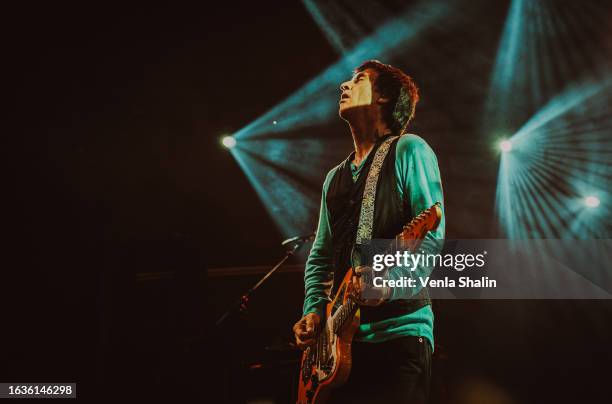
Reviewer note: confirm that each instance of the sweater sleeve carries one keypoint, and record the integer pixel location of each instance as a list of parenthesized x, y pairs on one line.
[(318, 274), (419, 181)]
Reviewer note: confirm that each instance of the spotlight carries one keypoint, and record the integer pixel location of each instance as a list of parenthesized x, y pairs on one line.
[(274, 122), (591, 201), (505, 146), (228, 141)]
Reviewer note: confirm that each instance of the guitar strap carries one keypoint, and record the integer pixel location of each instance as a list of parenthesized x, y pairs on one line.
[(366, 216)]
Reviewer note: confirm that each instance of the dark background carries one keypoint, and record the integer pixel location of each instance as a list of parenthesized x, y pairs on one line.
[(119, 198)]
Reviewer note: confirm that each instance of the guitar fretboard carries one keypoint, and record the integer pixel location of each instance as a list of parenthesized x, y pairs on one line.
[(345, 312)]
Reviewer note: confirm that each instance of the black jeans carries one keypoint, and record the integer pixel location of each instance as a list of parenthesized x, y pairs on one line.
[(396, 371)]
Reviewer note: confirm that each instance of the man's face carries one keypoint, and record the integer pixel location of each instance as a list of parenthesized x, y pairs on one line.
[(358, 92)]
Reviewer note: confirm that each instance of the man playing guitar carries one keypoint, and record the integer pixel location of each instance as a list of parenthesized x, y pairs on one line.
[(393, 346)]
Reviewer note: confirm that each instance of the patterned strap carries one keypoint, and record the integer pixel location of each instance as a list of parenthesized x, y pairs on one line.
[(366, 216)]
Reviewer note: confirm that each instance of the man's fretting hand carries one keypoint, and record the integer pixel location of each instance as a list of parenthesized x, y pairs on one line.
[(362, 286)]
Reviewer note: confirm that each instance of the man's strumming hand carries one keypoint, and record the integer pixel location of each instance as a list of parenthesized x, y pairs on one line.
[(306, 329)]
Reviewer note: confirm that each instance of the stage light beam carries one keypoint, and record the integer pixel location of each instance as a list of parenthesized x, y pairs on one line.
[(559, 167)]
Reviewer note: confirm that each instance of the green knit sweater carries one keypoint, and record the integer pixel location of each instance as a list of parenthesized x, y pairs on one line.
[(418, 178)]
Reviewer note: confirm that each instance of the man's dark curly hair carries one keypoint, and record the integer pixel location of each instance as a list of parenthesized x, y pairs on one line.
[(401, 90)]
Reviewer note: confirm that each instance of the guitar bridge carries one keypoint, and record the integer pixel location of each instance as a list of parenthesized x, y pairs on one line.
[(307, 367)]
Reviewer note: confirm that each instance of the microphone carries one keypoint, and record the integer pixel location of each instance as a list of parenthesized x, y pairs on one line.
[(299, 239)]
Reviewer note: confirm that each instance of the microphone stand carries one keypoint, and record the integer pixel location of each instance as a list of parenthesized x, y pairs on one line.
[(241, 304)]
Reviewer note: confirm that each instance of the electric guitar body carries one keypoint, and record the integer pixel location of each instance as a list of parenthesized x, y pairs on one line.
[(327, 364)]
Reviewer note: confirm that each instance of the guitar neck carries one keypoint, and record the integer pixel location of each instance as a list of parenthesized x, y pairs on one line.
[(344, 313)]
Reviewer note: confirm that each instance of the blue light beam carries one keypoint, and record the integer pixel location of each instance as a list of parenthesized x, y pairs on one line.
[(559, 157)]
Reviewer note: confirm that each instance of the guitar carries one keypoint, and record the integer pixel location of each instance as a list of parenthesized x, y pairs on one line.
[(326, 364)]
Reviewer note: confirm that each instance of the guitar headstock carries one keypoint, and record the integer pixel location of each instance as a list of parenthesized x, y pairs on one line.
[(415, 231)]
